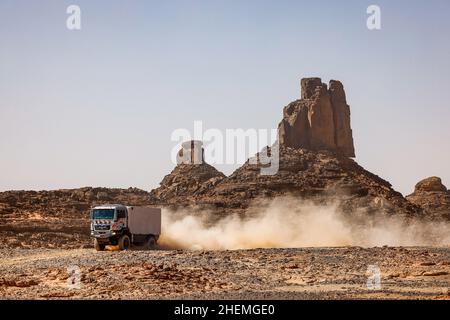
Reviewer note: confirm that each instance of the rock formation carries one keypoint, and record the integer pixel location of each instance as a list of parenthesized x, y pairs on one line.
[(191, 177), (315, 145), (431, 195), (191, 152), (432, 184), (316, 175), (320, 120)]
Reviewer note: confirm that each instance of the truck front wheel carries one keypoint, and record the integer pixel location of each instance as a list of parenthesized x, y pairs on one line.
[(99, 246), (124, 242)]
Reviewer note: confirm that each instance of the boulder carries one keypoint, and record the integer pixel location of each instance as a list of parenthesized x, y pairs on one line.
[(433, 197), (432, 184)]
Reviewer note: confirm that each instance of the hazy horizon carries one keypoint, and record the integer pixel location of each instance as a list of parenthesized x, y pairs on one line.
[(97, 106)]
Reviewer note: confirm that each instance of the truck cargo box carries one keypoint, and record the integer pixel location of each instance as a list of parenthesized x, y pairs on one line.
[(144, 220)]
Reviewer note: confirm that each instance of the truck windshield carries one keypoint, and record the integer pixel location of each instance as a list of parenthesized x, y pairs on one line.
[(103, 214)]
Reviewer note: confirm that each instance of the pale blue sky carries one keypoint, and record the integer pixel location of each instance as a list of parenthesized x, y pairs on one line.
[(96, 107)]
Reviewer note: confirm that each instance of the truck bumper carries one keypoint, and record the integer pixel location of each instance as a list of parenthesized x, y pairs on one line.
[(102, 235), (110, 237)]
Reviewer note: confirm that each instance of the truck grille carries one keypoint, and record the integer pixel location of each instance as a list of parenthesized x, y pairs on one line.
[(101, 227)]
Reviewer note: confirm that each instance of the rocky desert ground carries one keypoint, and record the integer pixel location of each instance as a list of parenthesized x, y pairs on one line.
[(304, 273)]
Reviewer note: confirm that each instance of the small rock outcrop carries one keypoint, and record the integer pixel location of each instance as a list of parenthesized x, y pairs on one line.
[(191, 152), (190, 178), (320, 120), (432, 184), (431, 195)]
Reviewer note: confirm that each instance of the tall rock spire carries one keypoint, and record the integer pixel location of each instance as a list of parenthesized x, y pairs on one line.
[(320, 120)]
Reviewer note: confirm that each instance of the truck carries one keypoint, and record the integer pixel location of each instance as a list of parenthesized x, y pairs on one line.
[(125, 226)]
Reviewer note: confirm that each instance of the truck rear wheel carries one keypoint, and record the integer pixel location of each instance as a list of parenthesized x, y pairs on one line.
[(99, 246), (151, 243), (124, 242)]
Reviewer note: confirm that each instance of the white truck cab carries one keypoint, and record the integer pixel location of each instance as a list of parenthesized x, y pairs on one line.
[(116, 224)]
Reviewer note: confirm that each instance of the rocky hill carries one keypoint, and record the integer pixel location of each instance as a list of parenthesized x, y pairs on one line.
[(321, 176)]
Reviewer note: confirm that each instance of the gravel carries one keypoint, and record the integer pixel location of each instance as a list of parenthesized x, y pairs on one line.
[(297, 273)]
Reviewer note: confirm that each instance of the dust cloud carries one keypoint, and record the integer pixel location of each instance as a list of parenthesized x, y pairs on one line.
[(291, 223)]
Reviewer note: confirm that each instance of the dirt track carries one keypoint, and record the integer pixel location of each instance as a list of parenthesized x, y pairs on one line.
[(309, 273)]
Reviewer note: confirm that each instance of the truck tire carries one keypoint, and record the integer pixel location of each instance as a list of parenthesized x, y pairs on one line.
[(124, 242), (99, 246), (151, 243)]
